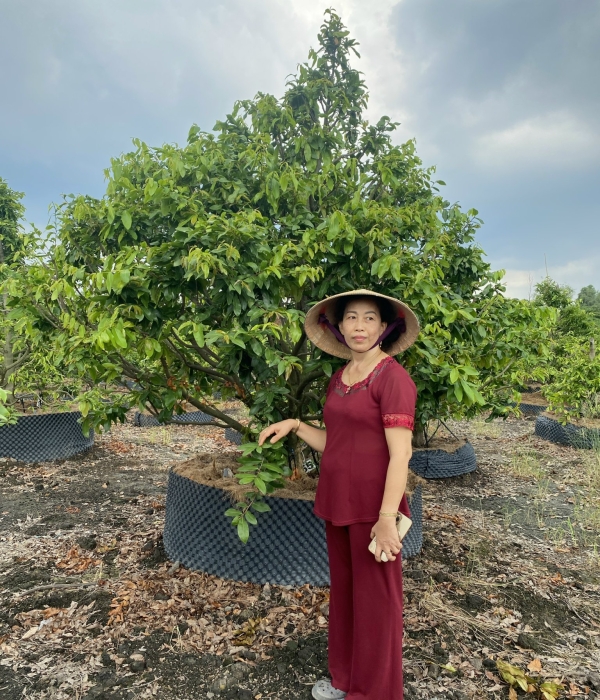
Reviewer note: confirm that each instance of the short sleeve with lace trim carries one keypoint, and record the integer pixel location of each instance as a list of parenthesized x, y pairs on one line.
[(397, 399), (398, 420)]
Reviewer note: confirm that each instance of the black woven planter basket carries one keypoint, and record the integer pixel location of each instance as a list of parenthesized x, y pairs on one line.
[(438, 464), (530, 409), (287, 547), (569, 434), (44, 437), (233, 436), (143, 420)]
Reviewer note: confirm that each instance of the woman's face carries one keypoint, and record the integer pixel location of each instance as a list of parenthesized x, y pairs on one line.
[(361, 325)]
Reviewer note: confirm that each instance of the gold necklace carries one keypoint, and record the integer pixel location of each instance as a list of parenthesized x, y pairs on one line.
[(379, 358)]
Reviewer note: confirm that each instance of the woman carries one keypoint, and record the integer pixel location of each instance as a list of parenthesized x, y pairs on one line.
[(369, 416)]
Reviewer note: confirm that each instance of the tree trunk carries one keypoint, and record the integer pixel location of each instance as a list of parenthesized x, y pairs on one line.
[(418, 439)]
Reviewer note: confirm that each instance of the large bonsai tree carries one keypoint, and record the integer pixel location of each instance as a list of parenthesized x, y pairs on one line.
[(194, 272)]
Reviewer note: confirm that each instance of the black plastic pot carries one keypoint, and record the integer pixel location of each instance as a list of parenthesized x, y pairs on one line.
[(529, 409), (287, 547), (569, 434), (44, 437), (439, 464), (233, 436), (143, 420)]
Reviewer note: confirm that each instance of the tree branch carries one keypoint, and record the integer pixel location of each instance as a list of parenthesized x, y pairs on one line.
[(48, 315), (200, 368), (299, 344), (214, 412), (497, 376), (307, 379)]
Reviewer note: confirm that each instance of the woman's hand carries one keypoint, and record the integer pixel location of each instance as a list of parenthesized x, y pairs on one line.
[(277, 430), (388, 541)]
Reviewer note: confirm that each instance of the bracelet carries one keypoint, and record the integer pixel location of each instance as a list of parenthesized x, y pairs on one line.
[(297, 428), (391, 515)]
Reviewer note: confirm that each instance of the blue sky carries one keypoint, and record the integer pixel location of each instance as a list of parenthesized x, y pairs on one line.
[(502, 95)]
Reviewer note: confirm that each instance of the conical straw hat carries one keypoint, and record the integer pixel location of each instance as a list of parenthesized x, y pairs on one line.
[(323, 338)]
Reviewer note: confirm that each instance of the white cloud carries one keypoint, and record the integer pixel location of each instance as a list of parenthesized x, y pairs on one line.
[(519, 283), (575, 273), (558, 140)]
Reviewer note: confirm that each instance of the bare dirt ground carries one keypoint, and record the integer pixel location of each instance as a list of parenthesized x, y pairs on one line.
[(91, 608)]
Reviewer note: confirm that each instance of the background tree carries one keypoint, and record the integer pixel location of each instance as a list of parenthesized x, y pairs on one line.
[(11, 247), (194, 272), (572, 369), (552, 294), (573, 317), (589, 298)]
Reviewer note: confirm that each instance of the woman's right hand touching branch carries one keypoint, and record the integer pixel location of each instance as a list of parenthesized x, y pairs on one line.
[(277, 430), (315, 437)]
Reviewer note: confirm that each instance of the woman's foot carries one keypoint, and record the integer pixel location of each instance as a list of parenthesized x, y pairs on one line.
[(323, 690)]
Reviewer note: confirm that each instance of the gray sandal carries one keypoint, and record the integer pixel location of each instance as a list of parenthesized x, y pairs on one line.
[(323, 690)]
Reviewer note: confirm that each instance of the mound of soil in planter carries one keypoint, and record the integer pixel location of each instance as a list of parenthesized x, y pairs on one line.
[(535, 398), (207, 468)]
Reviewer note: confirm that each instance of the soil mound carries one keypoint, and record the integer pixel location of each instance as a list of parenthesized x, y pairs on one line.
[(534, 399)]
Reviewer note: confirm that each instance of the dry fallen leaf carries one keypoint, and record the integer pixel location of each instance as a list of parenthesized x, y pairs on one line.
[(535, 665), (30, 632), (76, 562)]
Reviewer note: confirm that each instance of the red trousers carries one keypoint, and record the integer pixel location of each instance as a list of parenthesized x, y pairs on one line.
[(365, 616)]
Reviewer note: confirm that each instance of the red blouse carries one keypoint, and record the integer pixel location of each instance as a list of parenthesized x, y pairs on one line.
[(355, 460)]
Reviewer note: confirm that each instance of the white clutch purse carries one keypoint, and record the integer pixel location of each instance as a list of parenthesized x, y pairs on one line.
[(403, 524)]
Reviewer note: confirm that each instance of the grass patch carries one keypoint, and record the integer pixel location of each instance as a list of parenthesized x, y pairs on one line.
[(585, 527), (159, 435), (479, 428), (525, 464)]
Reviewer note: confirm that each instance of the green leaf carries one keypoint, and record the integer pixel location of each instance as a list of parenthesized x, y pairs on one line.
[(260, 485), (261, 506), (243, 531), (126, 219), (448, 667), (468, 390), (199, 335), (458, 392)]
